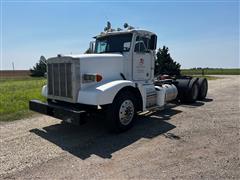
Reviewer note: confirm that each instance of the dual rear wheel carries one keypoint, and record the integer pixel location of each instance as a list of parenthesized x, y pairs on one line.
[(195, 90), (203, 88)]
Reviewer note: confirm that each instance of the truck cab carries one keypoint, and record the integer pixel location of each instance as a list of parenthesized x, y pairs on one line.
[(117, 77), (137, 48)]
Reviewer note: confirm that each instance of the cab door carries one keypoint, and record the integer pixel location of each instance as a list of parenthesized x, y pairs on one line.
[(141, 60)]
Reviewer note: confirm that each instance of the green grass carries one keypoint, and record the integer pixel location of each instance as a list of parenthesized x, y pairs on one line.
[(15, 95), (211, 71), (208, 77)]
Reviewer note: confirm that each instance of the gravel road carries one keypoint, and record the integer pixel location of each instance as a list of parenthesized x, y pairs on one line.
[(199, 141)]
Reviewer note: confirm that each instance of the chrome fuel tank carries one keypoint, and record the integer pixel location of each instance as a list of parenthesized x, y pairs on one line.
[(171, 92)]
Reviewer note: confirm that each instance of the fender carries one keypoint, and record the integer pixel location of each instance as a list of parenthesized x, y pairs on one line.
[(101, 94)]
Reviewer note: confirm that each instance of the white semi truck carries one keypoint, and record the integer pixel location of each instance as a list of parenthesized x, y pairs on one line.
[(117, 78)]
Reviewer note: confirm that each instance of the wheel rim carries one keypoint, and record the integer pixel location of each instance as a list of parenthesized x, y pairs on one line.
[(195, 91), (126, 112)]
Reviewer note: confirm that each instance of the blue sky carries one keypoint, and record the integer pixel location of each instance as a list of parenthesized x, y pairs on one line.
[(198, 34)]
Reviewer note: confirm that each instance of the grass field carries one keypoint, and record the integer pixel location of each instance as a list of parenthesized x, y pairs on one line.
[(211, 71), (15, 94), (207, 77)]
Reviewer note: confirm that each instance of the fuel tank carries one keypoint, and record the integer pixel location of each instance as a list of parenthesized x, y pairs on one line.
[(166, 93), (171, 92)]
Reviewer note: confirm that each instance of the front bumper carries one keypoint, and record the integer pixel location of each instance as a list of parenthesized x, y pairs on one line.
[(64, 113)]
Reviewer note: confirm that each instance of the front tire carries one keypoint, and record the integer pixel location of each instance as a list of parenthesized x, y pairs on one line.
[(121, 113)]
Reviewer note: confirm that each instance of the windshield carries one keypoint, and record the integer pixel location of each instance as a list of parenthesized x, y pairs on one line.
[(113, 43)]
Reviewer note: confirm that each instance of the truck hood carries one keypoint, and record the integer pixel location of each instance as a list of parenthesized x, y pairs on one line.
[(96, 56), (70, 70), (109, 65)]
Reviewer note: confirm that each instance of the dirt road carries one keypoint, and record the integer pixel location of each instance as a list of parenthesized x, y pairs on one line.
[(199, 141)]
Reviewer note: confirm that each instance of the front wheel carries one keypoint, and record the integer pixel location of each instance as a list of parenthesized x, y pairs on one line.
[(122, 112)]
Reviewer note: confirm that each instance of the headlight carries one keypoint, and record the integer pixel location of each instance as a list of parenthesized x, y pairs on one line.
[(87, 78)]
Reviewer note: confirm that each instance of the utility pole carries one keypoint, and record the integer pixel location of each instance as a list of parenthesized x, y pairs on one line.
[(13, 65)]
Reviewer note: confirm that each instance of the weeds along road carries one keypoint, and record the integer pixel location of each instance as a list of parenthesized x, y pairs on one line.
[(199, 141)]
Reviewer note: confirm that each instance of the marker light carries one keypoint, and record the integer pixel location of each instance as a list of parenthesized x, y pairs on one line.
[(98, 77)]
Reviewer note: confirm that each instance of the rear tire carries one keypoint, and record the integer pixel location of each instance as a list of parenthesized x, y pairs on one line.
[(203, 88), (122, 112), (193, 94), (190, 93)]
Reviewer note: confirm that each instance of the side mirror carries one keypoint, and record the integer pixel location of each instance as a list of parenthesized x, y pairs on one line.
[(92, 46), (153, 42)]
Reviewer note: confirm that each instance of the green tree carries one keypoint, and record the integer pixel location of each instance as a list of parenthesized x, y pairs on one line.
[(164, 63), (40, 68)]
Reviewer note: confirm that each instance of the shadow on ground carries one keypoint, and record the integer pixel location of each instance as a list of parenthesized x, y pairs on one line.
[(92, 138), (196, 104)]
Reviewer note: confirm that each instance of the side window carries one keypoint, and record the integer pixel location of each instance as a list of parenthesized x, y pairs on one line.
[(142, 47), (141, 44), (146, 42), (102, 46)]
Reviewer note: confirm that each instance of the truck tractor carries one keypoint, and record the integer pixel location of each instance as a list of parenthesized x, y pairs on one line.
[(116, 78)]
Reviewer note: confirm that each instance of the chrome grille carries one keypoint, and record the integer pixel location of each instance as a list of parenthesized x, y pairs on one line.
[(60, 80)]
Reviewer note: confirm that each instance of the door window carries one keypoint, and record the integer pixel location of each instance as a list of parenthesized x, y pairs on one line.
[(141, 45)]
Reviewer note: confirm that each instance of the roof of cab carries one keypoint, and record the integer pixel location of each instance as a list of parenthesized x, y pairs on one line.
[(141, 31)]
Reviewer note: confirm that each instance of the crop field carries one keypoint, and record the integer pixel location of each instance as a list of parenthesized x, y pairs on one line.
[(15, 94), (211, 71)]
